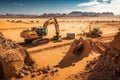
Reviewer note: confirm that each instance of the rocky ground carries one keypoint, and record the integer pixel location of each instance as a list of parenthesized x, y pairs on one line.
[(104, 67)]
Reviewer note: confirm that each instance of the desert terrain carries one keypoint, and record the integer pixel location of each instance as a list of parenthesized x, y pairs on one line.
[(58, 55)]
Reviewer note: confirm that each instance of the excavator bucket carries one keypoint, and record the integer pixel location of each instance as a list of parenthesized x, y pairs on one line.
[(76, 46), (57, 39)]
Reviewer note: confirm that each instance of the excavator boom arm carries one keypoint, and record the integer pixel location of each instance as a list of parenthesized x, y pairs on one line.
[(56, 26), (48, 22)]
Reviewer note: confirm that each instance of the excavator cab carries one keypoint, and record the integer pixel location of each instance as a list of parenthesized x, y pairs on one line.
[(41, 31), (96, 29)]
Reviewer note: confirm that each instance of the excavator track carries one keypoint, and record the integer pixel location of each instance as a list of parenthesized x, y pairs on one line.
[(40, 41)]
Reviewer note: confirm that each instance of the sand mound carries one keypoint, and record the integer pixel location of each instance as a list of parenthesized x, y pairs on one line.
[(84, 46), (75, 53), (80, 49), (12, 58), (106, 66)]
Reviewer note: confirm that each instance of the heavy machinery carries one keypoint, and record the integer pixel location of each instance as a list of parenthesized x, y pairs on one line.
[(94, 33), (36, 35)]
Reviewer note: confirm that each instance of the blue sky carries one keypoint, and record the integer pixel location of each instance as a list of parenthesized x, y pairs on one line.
[(37, 6), (57, 6)]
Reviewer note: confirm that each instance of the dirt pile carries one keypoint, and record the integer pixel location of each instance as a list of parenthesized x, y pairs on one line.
[(75, 53), (106, 66), (45, 72), (13, 58), (79, 46), (83, 46), (79, 49)]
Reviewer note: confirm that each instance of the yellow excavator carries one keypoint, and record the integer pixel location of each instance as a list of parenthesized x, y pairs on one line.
[(94, 33), (36, 35)]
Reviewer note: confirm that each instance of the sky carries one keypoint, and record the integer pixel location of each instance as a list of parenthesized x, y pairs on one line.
[(58, 6)]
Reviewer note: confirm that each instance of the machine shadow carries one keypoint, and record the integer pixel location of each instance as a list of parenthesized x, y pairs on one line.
[(29, 45)]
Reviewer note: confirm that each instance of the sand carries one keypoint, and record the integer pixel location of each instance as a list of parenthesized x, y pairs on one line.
[(53, 56)]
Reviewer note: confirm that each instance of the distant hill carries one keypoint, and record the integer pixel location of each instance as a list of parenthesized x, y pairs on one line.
[(18, 16), (79, 13), (71, 14)]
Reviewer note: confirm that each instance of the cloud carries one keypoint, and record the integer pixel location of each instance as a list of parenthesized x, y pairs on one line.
[(19, 4), (89, 4), (105, 0), (100, 6)]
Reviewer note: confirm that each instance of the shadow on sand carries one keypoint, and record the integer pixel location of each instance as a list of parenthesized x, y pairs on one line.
[(29, 45), (70, 58)]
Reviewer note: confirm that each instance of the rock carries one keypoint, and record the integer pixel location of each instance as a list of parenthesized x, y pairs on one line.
[(33, 75), (56, 70), (48, 67), (27, 72), (44, 71), (22, 75), (52, 73), (39, 73)]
